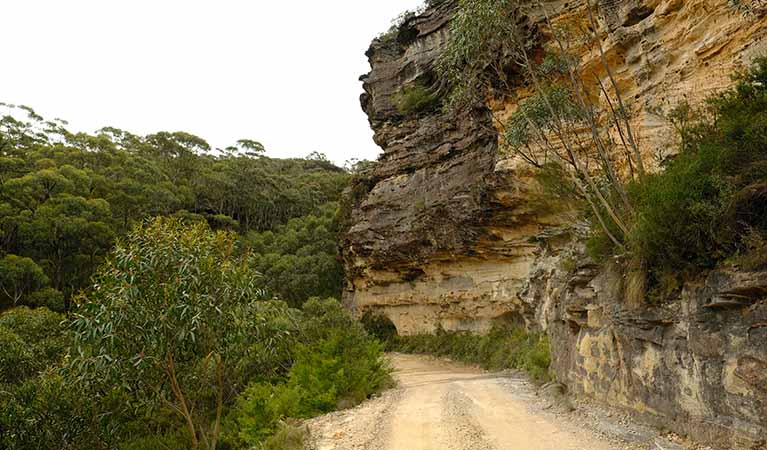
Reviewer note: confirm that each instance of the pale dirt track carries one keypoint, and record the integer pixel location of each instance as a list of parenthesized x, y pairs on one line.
[(439, 405)]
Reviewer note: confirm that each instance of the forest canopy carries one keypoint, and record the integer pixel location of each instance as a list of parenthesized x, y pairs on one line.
[(158, 293), (66, 197)]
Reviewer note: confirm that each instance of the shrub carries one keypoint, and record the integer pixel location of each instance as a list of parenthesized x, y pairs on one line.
[(415, 98), (710, 202), (340, 370), (49, 298), (172, 440), (31, 339), (755, 252), (17, 362), (289, 437), (259, 410), (380, 327), (335, 364), (44, 412)]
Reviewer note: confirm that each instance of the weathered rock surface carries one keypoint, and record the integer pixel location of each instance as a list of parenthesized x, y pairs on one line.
[(446, 233), (697, 365), (445, 236)]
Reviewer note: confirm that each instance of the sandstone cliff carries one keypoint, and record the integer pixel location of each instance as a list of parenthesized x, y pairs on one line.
[(445, 232), (443, 237)]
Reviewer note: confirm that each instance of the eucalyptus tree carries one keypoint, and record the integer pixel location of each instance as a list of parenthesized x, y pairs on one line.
[(19, 277), (572, 119), (172, 316)]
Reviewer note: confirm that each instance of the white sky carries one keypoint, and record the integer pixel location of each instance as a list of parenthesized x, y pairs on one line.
[(284, 73)]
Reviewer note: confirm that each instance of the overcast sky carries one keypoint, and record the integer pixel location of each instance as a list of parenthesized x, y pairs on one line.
[(281, 72)]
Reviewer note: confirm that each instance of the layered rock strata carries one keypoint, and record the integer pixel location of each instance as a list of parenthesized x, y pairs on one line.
[(442, 236), (445, 232), (696, 365)]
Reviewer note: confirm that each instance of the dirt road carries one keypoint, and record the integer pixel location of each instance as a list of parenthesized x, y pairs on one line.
[(440, 405)]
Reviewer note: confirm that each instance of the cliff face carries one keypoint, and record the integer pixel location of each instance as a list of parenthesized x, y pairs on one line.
[(697, 365), (445, 232), (444, 236)]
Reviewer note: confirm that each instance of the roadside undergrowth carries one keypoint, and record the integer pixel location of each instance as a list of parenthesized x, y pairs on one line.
[(504, 347)]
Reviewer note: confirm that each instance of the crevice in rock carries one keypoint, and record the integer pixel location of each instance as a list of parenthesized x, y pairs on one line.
[(637, 15)]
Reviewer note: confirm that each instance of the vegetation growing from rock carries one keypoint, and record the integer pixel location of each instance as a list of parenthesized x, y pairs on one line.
[(414, 99), (708, 204), (688, 217), (566, 121)]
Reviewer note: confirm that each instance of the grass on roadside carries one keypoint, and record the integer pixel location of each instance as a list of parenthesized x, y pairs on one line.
[(504, 347)]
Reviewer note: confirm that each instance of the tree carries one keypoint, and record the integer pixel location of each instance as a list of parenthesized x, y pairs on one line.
[(65, 196), (573, 120), (172, 314), (358, 166), (68, 235), (41, 337), (20, 276), (300, 259), (250, 147)]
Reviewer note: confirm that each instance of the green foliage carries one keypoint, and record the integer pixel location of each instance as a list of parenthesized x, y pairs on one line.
[(175, 326), (170, 318), (543, 111), (300, 259), (485, 36), (504, 347), (41, 332), (65, 198), (16, 359), (19, 277), (754, 255), (32, 340), (169, 440), (357, 166), (37, 409), (45, 412), (359, 187), (48, 297), (288, 437), (259, 410), (336, 364), (340, 370), (709, 203), (380, 327), (414, 99)]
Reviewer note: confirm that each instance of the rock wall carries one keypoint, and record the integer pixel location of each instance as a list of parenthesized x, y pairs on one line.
[(696, 365), (446, 233), (443, 234)]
